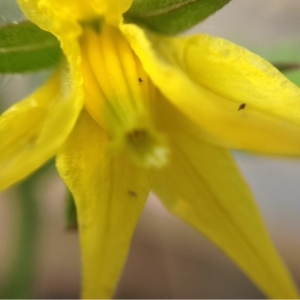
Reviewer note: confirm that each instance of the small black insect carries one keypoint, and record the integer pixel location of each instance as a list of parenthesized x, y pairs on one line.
[(140, 79), (242, 106)]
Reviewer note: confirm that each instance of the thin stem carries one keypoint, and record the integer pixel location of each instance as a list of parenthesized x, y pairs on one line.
[(20, 283)]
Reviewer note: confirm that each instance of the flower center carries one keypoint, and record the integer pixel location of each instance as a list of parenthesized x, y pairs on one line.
[(120, 95)]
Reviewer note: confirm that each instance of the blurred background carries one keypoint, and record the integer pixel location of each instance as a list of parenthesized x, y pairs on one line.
[(167, 259)]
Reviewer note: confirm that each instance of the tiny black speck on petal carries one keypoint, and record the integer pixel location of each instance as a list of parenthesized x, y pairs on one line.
[(132, 193)]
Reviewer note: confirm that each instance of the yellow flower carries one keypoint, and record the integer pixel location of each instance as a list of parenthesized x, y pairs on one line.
[(128, 110)]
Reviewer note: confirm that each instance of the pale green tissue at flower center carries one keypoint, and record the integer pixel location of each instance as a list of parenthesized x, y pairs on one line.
[(120, 96)]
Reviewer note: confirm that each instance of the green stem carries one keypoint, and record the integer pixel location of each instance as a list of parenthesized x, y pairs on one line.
[(20, 283)]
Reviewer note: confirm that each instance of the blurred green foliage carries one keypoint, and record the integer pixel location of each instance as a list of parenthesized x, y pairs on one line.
[(24, 47), (171, 16)]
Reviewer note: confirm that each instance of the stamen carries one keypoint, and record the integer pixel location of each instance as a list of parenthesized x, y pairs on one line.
[(120, 96)]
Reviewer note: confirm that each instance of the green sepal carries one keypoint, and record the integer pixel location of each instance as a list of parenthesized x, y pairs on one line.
[(171, 16), (24, 47), (70, 212)]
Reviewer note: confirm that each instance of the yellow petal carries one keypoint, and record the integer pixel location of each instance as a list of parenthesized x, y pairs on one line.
[(59, 17), (63, 19), (109, 193), (31, 131), (203, 186), (237, 97)]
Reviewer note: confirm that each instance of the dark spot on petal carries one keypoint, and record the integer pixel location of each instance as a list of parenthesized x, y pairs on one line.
[(140, 79), (242, 106), (132, 193)]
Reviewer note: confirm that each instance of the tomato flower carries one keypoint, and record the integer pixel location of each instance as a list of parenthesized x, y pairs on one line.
[(129, 110)]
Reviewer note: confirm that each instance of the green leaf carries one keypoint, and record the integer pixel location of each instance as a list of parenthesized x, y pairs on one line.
[(171, 16), (24, 47)]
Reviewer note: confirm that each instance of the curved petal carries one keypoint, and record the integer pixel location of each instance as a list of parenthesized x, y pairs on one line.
[(203, 186), (109, 194), (32, 130), (237, 97), (60, 20), (61, 17)]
